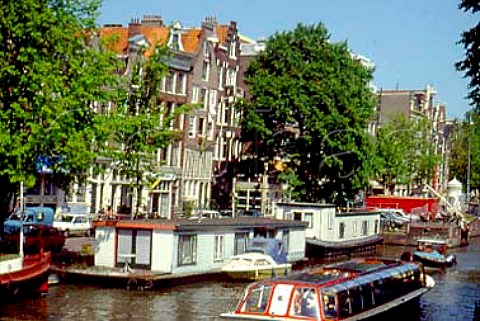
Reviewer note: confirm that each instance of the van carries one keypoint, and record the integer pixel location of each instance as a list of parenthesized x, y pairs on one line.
[(32, 215)]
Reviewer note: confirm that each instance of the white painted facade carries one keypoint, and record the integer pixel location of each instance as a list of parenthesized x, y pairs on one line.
[(162, 243), (325, 224)]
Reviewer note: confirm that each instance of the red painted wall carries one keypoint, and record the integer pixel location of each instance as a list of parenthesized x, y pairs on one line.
[(405, 203)]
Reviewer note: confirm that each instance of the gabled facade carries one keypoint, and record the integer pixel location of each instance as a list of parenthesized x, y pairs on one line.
[(203, 70)]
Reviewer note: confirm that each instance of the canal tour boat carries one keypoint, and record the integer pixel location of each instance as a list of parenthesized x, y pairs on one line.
[(348, 291), (264, 258)]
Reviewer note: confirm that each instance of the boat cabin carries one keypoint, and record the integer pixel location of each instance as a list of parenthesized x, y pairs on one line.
[(354, 289), (189, 246), (326, 224), (430, 245)]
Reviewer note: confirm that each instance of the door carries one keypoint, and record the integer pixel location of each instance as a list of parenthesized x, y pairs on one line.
[(142, 248)]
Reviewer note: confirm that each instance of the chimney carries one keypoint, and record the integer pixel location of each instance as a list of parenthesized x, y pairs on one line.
[(134, 27), (152, 21), (209, 23)]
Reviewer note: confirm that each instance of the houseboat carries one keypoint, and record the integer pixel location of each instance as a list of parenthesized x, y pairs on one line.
[(264, 258), (181, 249), (352, 290), (331, 234), (24, 275)]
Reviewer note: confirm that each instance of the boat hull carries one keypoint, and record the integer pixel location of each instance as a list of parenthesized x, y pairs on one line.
[(30, 279), (447, 261), (257, 274)]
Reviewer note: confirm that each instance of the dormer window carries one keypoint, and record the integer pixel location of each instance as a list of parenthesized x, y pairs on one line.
[(175, 45)]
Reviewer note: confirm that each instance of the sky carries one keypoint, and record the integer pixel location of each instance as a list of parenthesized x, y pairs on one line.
[(413, 43)]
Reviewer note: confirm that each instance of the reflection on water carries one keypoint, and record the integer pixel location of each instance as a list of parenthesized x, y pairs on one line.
[(452, 299)]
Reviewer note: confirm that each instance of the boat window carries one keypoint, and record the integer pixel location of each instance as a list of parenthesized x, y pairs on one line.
[(329, 305), (261, 262), (304, 302), (257, 298), (355, 295), (344, 304)]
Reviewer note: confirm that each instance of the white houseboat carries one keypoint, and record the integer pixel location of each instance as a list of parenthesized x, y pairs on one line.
[(331, 233), (164, 250)]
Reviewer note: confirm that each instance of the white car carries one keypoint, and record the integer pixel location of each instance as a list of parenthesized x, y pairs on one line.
[(73, 224)]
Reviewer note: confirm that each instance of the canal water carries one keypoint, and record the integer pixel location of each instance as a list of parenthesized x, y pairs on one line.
[(452, 299)]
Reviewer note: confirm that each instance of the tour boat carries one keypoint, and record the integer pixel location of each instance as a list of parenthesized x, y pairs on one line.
[(348, 291), (264, 258), (24, 274)]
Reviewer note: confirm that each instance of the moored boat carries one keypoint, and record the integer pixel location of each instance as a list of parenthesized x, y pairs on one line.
[(352, 290), (24, 275), (254, 266), (431, 253), (264, 258)]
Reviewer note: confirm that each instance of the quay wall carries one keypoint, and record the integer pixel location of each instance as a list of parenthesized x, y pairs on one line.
[(447, 231)]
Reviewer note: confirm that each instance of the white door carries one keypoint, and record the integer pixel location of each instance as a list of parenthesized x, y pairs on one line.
[(280, 299)]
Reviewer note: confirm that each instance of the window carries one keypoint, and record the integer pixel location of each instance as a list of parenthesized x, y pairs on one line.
[(297, 216), (241, 241), (341, 230), (191, 126), (330, 220), (305, 303), (204, 97), (187, 249), (257, 299), (205, 70), (181, 83), (219, 245), (329, 306), (195, 93), (201, 126), (170, 82), (376, 226), (364, 227), (309, 219), (286, 240)]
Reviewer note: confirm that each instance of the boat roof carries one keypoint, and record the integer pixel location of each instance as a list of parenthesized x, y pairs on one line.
[(355, 269)]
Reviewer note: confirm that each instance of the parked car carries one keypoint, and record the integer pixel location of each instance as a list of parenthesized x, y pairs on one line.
[(34, 237), (32, 215), (252, 213), (393, 219), (74, 224)]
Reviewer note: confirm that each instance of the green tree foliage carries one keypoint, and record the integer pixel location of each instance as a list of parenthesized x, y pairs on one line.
[(49, 76), (404, 152), (471, 43), (310, 103), (466, 144)]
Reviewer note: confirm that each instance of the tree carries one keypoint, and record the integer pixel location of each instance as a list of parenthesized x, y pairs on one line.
[(466, 144), (50, 75), (404, 152), (310, 103), (471, 64)]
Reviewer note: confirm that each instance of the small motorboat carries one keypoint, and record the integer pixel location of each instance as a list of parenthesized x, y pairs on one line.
[(264, 258), (432, 253), (254, 266)]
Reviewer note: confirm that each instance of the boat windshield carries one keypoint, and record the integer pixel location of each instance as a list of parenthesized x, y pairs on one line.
[(257, 298)]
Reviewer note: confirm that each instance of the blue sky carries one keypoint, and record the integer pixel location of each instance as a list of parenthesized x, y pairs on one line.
[(411, 42)]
